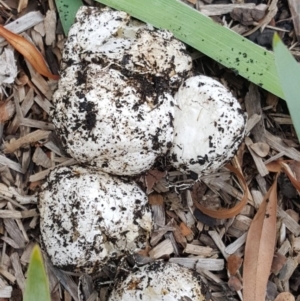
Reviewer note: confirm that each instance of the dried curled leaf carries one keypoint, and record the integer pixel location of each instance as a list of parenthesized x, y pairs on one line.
[(291, 174), (261, 237), (234, 283), (260, 247), (29, 51), (234, 262), (289, 167), (228, 213)]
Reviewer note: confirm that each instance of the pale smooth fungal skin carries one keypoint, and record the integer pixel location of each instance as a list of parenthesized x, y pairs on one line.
[(89, 218), (114, 105), (209, 126), (158, 281)]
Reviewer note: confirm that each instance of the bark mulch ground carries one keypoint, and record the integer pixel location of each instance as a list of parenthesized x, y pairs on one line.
[(182, 234)]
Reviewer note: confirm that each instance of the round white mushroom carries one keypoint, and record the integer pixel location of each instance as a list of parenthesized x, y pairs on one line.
[(113, 108), (152, 51), (158, 281), (89, 218), (209, 126), (85, 36), (105, 36), (112, 122)]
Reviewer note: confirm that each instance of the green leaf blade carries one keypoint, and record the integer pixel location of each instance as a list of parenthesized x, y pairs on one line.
[(37, 286), (221, 44), (67, 10), (289, 76)]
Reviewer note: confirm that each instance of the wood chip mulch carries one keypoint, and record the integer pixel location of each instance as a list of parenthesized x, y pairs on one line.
[(29, 149)]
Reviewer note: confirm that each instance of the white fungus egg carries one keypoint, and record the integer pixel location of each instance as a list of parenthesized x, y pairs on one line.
[(112, 122), (114, 105), (157, 51), (89, 218), (158, 281), (85, 36), (106, 36), (209, 126)]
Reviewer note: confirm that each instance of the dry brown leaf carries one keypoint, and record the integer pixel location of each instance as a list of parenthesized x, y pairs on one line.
[(234, 283), (228, 213), (234, 262), (295, 168), (285, 297), (291, 169), (29, 51), (278, 262), (259, 249), (274, 166), (260, 148), (289, 172)]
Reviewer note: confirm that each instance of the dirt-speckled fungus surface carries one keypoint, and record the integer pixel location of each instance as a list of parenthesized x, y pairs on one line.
[(114, 107), (209, 126), (158, 281), (89, 218)]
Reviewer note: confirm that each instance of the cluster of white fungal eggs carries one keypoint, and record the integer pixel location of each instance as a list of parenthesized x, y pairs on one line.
[(114, 106), (89, 218), (126, 97)]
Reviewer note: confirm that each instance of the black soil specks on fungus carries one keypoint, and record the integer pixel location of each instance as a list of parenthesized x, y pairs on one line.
[(75, 225), (110, 91)]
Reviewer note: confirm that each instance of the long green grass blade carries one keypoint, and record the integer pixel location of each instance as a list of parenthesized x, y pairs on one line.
[(36, 286), (221, 44), (289, 76), (67, 10)]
